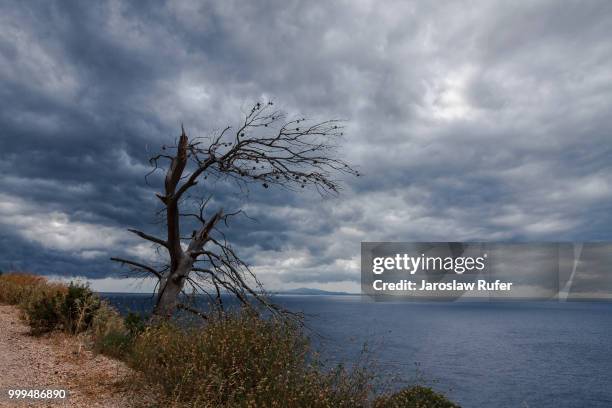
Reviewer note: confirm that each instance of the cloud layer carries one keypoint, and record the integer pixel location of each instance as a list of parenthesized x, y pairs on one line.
[(469, 121)]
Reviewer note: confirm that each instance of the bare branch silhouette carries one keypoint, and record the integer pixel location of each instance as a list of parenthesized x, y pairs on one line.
[(266, 149)]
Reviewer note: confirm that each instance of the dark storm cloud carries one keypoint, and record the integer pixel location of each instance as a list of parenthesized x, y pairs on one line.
[(475, 121)]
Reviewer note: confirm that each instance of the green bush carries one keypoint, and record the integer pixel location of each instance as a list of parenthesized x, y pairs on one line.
[(79, 308), (134, 323), (113, 335), (414, 397), (114, 344), (42, 311), (110, 335), (50, 307)]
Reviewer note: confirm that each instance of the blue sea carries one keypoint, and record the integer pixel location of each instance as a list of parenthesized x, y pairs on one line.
[(479, 354)]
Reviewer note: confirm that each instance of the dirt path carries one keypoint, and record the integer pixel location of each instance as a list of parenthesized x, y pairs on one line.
[(57, 362)]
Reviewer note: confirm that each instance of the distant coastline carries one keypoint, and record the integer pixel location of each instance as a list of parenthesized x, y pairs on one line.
[(298, 291), (311, 292)]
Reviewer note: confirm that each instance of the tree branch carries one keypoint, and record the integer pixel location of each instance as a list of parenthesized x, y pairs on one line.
[(139, 266), (149, 237)]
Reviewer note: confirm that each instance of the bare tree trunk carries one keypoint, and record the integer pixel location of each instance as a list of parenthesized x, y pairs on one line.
[(170, 288), (171, 284), (182, 263)]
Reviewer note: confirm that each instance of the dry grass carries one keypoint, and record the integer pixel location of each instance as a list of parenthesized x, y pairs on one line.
[(241, 361), (18, 288)]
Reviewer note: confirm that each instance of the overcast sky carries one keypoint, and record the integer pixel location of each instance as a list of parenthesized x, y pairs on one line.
[(469, 121)]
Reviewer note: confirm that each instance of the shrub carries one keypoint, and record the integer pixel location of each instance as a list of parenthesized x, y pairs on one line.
[(134, 323), (79, 308), (42, 310), (49, 306), (113, 335), (414, 397)]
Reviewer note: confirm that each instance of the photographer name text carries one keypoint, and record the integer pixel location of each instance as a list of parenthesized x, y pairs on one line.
[(454, 285)]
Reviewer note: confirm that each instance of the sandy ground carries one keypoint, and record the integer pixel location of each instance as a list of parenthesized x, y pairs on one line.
[(56, 361)]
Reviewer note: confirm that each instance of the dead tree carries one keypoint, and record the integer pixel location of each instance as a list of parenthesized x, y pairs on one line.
[(266, 149)]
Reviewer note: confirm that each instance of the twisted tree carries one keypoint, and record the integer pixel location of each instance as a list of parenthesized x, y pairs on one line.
[(267, 149)]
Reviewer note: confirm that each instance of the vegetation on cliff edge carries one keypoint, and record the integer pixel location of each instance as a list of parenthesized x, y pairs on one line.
[(237, 359)]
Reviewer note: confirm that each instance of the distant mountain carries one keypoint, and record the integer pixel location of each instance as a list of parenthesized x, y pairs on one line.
[(308, 291)]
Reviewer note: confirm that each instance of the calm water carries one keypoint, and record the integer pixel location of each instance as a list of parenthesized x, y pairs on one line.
[(480, 354)]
